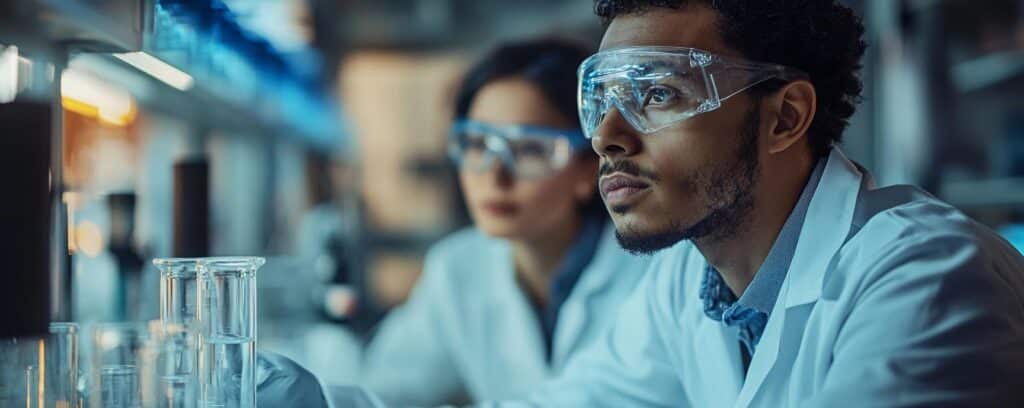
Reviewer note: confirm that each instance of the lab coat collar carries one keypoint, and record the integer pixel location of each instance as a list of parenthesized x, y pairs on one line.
[(513, 305), (825, 229), (828, 222)]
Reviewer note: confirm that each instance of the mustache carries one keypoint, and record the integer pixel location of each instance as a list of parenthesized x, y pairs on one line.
[(625, 167)]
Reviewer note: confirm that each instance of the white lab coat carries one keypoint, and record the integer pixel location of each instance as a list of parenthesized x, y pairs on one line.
[(469, 329), (893, 299)]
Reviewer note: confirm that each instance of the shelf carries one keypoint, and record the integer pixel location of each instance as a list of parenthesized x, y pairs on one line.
[(203, 106), (235, 80), (988, 71), (1000, 192), (97, 25)]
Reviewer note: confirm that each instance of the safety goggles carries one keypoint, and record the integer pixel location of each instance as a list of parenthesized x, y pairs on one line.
[(527, 152), (655, 87)]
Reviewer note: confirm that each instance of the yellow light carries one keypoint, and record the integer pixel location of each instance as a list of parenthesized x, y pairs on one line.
[(89, 238), (72, 200), (80, 107), (158, 69), (85, 95)]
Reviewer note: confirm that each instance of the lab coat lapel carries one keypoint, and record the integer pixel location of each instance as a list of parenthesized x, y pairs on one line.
[(825, 228), (571, 322), (720, 383), (575, 312), (523, 344)]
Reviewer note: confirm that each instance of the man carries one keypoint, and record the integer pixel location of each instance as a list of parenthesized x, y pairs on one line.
[(783, 277)]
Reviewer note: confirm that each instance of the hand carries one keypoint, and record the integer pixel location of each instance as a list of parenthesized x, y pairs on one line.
[(282, 383)]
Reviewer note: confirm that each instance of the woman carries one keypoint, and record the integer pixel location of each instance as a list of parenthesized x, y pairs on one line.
[(502, 306)]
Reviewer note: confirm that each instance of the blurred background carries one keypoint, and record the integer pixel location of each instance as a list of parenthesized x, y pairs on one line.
[(313, 132)]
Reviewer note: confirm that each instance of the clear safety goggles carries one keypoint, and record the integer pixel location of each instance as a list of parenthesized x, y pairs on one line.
[(527, 152), (655, 87)]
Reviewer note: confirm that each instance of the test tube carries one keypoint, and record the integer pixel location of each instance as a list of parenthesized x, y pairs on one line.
[(32, 387), (173, 374), (178, 290), (60, 379), (227, 317), (178, 351)]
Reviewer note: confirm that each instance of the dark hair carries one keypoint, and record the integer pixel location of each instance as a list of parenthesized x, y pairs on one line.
[(549, 64), (821, 37)]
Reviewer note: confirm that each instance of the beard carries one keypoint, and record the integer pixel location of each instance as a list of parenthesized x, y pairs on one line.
[(729, 189)]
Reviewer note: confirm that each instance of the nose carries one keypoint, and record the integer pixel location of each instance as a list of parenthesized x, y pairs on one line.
[(500, 173), (614, 136)]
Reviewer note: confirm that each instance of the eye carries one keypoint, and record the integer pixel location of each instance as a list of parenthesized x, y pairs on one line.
[(530, 148), (475, 142), (660, 95)]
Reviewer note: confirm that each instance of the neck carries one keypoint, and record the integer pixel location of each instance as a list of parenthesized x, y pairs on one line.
[(739, 256), (537, 258)]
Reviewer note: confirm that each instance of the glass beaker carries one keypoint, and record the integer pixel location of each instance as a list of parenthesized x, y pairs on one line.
[(118, 347), (227, 318), (120, 386)]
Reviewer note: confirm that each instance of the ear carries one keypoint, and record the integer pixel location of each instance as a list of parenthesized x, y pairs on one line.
[(792, 108)]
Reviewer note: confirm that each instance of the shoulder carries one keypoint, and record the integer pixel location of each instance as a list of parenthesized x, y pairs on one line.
[(463, 246), (911, 236), (903, 218)]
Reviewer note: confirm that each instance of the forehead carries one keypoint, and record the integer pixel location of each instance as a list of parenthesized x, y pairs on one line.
[(515, 101), (693, 27)]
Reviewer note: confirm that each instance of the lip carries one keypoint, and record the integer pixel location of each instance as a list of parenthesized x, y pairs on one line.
[(500, 208), (620, 189)]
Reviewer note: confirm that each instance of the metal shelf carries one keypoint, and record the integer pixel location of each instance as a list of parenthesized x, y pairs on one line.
[(277, 102), (199, 104), (97, 25)]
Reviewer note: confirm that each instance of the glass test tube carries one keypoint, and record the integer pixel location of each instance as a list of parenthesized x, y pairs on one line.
[(227, 317), (178, 290), (177, 365), (60, 377)]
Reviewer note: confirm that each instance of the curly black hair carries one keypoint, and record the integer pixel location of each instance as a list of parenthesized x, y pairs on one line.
[(821, 37)]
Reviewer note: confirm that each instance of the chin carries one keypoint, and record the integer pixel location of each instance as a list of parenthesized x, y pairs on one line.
[(498, 229), (645, 235)]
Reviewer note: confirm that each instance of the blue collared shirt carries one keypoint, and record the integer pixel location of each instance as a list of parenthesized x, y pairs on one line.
[(750, 312)]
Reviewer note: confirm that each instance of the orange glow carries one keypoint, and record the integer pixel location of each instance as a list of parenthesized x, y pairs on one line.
[(89, 238), (119, 117), (42, 371), (72, 200)]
